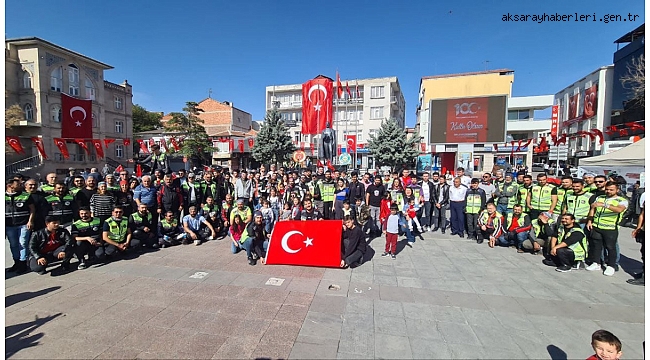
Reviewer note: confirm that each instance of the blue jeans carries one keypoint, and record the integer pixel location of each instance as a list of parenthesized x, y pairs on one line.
[(521, 237), (503, 209), (405, 228), (426, 214), (18, 237), (234, 248)]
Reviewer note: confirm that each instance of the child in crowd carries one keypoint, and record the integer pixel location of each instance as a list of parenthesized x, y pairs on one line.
[(296, 209), (286, 212), (267, 216), (391, 230), (235, 232), (412, 212), (347, 210), (606, 345), (384, 208), (275, 202)]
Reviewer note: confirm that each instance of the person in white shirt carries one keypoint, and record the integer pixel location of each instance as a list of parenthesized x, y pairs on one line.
[(464, 179), (426, 195), (457, 194)]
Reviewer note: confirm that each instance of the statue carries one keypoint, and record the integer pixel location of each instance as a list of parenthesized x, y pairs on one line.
[(328, 143)]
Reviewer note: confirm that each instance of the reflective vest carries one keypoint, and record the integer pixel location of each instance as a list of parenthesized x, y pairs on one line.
[(591, 188), (540, 197), (578, 205), (327, 192), (61, 207), (473, 205), (74, 191), (47, 188), (561, 193), (204, 186), (169, 228), (521, 220), (606, 219), (117, 230), (113, 188), (159, 159), (523, 194), (579, 248), (16, 209), (538, 228), (210, 208), (137, 218), (89, 228), (483, 219)]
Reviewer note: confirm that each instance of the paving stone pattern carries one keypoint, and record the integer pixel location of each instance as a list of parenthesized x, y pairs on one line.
[(445, 297)]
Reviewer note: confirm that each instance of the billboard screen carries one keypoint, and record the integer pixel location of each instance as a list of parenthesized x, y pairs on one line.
[(468, 120)]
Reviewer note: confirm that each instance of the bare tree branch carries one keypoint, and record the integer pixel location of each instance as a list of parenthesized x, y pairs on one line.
[(635, 79)]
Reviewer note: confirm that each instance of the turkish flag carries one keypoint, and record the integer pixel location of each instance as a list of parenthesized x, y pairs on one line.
[(302, 146), (76, 119), (119, 168), (15, 144), (98, 148), (251, 143), (163, 144), (174, 144), (599, 134), (60, 143), (143, 146), (339, 87), (307, 243), (316, 105), (138, 170), (151, 142), (351, 143), (39, 145), (311, 148), (240, 145), (82, 143), (347, 89), (108, 142), (634, 126), (127, 142), (330, 166), (339, 149), (231, 145)]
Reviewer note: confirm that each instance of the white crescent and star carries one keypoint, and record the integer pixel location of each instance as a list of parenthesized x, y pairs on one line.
[(285, 246), (78, 108), (320, 87)]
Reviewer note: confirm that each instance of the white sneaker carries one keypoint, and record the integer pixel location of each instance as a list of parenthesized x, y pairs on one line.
[(197, 242), (420, 230), (609, 271), (593, 267)]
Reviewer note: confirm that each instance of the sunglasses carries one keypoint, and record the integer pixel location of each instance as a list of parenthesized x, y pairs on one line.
[(486, 177), (599, 181)]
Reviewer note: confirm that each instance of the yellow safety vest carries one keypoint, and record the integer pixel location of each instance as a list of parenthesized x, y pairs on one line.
[(578, 205), (117, 231), (473, 205), (579, 248), (561, 193), (604, 218), (521, 220), (540, 197)]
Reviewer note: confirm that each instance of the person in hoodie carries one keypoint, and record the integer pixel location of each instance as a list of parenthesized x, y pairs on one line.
[(353, 245)]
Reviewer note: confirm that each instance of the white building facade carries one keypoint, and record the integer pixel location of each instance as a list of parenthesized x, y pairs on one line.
[(379, 99)]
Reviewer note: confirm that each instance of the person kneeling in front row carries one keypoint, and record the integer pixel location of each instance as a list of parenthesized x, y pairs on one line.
[(169, 233), (117, 234), (354, 243), (49, 245), (568, 245), (255, 239), (192, 226)]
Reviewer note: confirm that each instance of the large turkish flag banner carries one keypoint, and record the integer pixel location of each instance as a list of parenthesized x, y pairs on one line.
[(316, 105), (308, 243), (467, 120), (351, 143), (591, 102), (76, 119)]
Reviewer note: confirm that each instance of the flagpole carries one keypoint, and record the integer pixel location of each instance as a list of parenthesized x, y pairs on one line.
[(347, 133), (356, 123), (335, 118)]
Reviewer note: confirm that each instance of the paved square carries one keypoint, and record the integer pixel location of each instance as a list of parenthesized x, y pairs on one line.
[(445, 297)]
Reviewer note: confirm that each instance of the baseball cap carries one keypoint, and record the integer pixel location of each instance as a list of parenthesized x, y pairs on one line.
[(475, 181), (258, 213)]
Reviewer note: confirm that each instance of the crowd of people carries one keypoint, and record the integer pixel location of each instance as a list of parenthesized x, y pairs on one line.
[(97, 216)]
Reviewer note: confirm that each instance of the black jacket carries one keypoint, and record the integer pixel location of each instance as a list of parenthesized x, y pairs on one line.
[(431, 186), (437, 188), (357, 190), (40, 237), (169, 198), (354, 239)]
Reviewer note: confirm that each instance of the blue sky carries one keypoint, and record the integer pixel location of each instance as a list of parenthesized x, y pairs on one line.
[(174, 51)]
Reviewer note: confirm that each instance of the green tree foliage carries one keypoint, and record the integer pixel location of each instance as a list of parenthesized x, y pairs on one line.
[(13, 115), (390, 146), (188, 124), (273, 144), (144, 120)]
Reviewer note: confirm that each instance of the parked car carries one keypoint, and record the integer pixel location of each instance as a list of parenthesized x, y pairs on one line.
[(537, 167)]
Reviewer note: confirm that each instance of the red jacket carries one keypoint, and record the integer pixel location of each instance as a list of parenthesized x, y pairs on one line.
[(384, 209)]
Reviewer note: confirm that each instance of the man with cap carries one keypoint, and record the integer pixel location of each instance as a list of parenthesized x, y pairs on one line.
[(111, 185), (589, 184), (475, 201), (192, 225), (69, 180), (243, 211), (255, 239)]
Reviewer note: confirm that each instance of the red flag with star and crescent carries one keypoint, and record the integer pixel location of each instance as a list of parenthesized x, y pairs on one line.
[(108, 142), (60, 143), (76, 118), (97, 143), (316, 105), (38, 141), (174, 144), (307, 243), (82, 143), (15, 144)]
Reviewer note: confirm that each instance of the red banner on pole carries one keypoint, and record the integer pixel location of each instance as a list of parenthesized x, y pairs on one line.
[(240, 145), (554, 120), (251, 143), (39, 145), (60, 143), (15, 144), (351, 143), (231, 145), (76, 117), (163, 144), (175, 144), (97, 143), (108, 142), (316, 105), (127, 142), (307, 243), (82, 143), (143, 146)]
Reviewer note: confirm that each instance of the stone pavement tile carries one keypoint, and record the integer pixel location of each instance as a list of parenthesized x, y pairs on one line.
[(395, 293), (322, 325), (271, 351), (142, 337), (447, 314), (303, 285), (218, 277), (251, 329), (357, 342), (299, 298), (410, 282), (169, 273), (366, 277), (263, 310), (359, 305), (281, 332), (632, 350), (95, 330), (226, 322), (363, 290), (417, 311), (513, 290), (177, 286), (480, 317), (388, 308), (390, 280), (170, 341), (532, 343), (390, 325), (152, 298), (167, 318), (274, 295), (405, 272), (423, 328), (454, 333), (494, 336), (465, 300), (514, 322), (392, 347), (481, 287), (136, 315), (429, 349), (453, 285), (337, 275), (359, 322), (328, 304), (624, 331), (429, 296), (323, 288), (119, 352), (237, 347), (235, 307), (230, 291), (203, 289), (499, 303), (312, 273), (428, 273), (195, 320), (200, 346), (69, 348), (292, 313), (307, 347)]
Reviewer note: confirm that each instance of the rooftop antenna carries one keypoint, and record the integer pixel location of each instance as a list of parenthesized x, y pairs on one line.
[(486, 62), (210, 93)]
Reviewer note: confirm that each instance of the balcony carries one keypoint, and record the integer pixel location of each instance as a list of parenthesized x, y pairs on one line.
[(29, 123), (80, 158)]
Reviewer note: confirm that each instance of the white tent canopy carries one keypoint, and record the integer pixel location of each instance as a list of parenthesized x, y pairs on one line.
[(631, 155)]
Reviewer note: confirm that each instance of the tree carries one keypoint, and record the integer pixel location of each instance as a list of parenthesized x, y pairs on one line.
[(195, 143), (390, 146), (13, 115), (635, 79), (144, 120), (273, 143)]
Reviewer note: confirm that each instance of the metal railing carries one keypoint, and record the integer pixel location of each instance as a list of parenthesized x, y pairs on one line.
[(23, 165)]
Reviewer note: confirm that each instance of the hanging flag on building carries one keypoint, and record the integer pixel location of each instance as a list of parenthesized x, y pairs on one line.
[(174, 144), (99, 150), (339, 87), (60, 143), (38, 141), (108, 142), (351, 143), (143, 146), (231, 145), (316, 105), (240, 145), (251, 143), (163, 144), (127, 142), (347, 89), (82, 143), (76, 117), (15, 144)]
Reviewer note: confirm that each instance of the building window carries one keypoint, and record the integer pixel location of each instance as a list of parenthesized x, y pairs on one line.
[(376, 92), (518, 115), (298, 116), (29, 112), (90, 89), (56, 80), (95, 121), (296, 136), (27, 80), (351, 115), (118, 102), (73, 80), (119, 151), (56, 113), (119, 125), (377, 112)]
